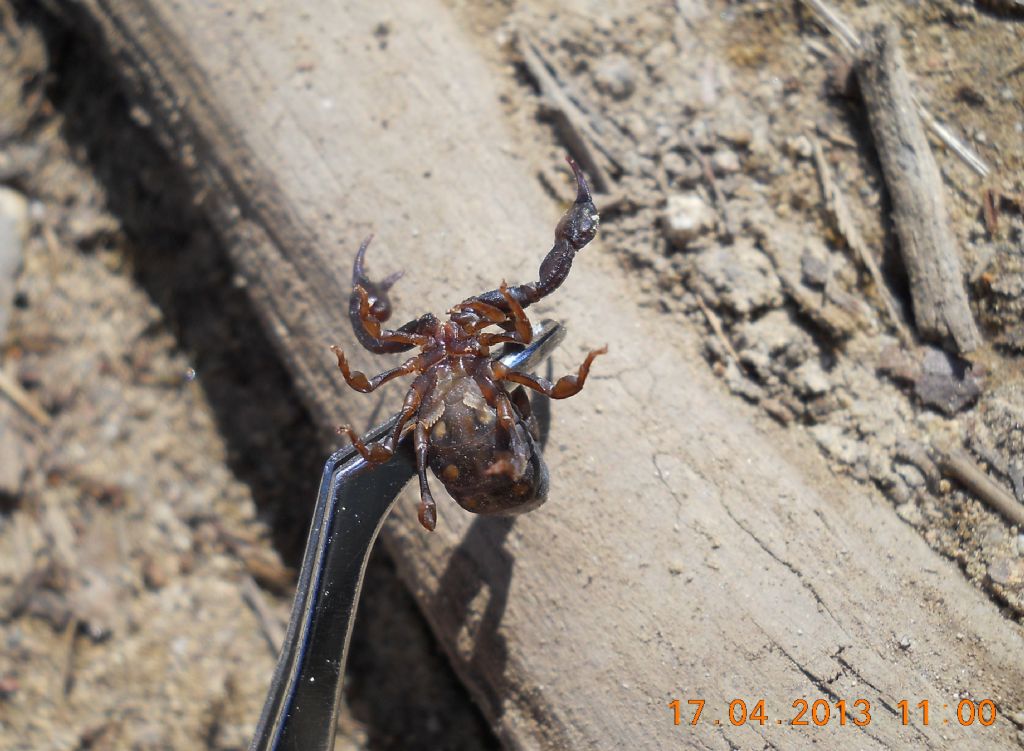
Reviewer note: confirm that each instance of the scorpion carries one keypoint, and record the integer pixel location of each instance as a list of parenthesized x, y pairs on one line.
[(480, 440)]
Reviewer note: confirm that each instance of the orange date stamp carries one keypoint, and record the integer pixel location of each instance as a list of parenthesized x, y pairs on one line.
[(821, 712)]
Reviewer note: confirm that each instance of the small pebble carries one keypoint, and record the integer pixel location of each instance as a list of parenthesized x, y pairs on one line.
[(740, 276), (911, 475), (13, 234), (947, 383), (737, 135), (837, 444), (815, 268), (13, 458), (681, 170), (799, 147), (636, 126), (1006, 572), (155, 573), (811, 379), (685, 218), (908, 510), (86, 225), (725, 162), (616, 77)]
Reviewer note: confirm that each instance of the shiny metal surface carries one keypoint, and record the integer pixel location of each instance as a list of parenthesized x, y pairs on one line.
[(355, 497)]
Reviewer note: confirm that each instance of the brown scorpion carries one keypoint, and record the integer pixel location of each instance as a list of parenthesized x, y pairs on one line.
[(479, 439)]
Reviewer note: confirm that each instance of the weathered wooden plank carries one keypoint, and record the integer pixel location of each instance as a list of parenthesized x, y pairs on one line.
[(683, 554), (927, 245)]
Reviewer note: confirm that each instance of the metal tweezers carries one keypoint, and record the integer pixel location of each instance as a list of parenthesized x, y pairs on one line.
[(300, 712)]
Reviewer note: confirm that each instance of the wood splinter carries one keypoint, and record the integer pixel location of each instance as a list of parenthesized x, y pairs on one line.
[(958, 465), (941, 309)]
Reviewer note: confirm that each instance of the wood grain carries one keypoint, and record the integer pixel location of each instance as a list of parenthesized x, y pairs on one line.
[(683, 553), (927, 245)]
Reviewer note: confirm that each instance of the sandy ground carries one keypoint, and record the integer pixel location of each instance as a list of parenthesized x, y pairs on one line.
[(166, 488)]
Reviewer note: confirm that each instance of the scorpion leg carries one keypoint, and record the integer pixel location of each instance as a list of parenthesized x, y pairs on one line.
[(565, 387), (515, 460), (517, 316), (428, 508), (382, 450), (358, 380), (374, 453), (495, 396), (410, 406), (521, 402), (481, 314)]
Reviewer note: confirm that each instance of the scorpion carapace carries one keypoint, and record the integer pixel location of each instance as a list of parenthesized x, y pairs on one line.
[(479, 439)]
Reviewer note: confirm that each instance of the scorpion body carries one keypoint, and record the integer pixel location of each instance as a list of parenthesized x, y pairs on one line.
[(478, 438)]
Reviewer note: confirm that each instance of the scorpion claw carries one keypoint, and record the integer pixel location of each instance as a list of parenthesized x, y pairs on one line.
[(380, 305), (358, 273), (390, 281)]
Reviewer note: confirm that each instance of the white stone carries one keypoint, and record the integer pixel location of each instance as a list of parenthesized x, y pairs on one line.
[(685, 218)]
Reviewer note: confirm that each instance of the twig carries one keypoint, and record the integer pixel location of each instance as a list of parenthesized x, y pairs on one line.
[(837, 26), (987, 453), (835, 23), (843, 220), (837, 138), (263, 566), (927, 246), (13, 391), (1012, 70), (21, 595), (269, 625), (50, 238), (68, 673), (570, 121), (953, 143), (715, 323), (709, 178), (593, 119), (1016, 474), (990, 212), (958, 465)]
